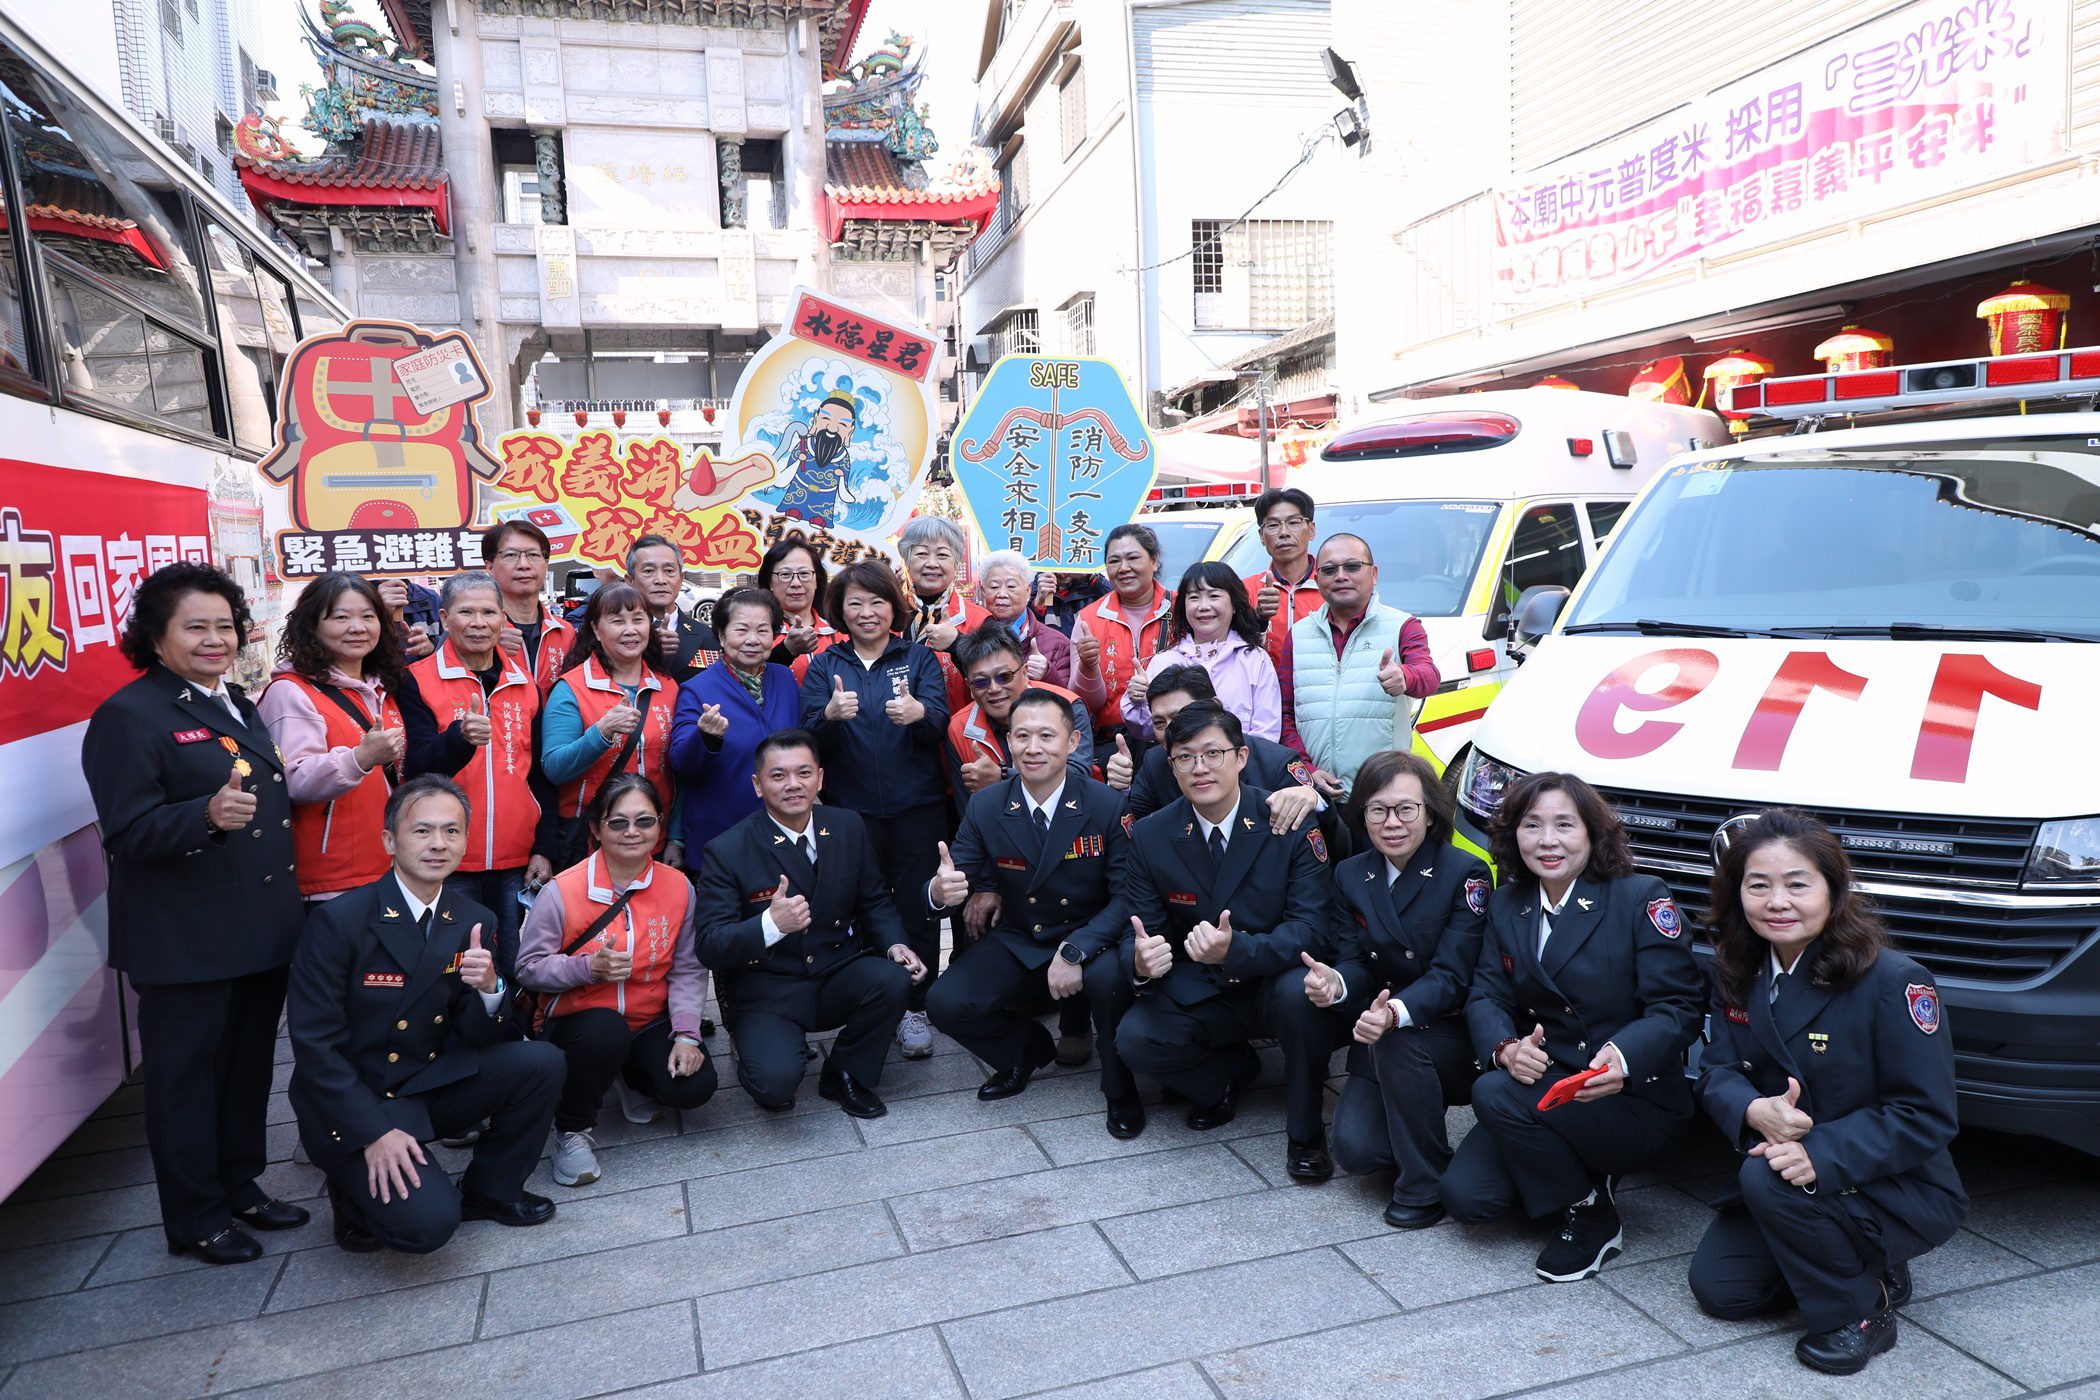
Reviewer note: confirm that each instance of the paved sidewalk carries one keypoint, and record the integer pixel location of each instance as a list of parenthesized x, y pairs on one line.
[(956, 1248)]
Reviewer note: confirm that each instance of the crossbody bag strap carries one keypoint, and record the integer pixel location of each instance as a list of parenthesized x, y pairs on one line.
[(364, 722), (627, 749)]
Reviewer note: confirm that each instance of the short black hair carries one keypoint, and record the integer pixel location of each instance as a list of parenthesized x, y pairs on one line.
[(1282, 496), (748, 597), (419, 787), (1194, 718), (1190, 680), (989, 639), (618, 786), (780, 740), (153, 605), (792, 542), (1036, 695), (871, 576), (492, 538)]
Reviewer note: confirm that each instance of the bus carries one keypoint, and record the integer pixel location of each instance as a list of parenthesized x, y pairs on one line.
[(144, 322)]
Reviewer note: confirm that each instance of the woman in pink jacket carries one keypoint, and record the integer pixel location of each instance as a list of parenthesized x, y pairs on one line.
[(1216, 628)]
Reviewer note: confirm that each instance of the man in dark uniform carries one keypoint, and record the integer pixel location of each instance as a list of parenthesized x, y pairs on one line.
[(657, 569), (402, 1032), (795, 920), (1223, 908), (1040, 858), (1280, 772)]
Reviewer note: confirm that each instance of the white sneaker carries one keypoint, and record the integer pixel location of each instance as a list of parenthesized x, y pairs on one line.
[(575, 1159), (636, 1107), (915, 1035)]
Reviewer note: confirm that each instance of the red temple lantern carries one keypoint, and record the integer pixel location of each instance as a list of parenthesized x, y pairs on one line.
[(1661, 381), (1554, 381), (1855, 347), (619, 418), (2026, 317), (1733, 370), (663, 418), (532, 416)]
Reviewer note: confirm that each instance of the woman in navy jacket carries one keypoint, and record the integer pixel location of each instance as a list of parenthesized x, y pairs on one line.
[(878, 705), (722, 714), (1586, 966), (1832, 1069)]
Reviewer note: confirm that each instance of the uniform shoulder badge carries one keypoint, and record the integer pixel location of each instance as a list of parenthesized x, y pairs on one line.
[(1128, 822), (1299, 770), (1477, 895), (1663, 914), (1318, 843), (1924, 1002)]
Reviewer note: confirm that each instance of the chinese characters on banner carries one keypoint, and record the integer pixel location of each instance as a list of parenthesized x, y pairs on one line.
[(1931, 98), (596, 494), (1052, 456), (74, 546)]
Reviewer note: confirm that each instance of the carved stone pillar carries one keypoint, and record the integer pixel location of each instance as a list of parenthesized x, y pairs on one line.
[(546, 157), (729, 156)]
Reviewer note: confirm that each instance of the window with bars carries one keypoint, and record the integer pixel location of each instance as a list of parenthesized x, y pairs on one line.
[(171, 19), (1209, 256), (1076, 331), (1019, 333), (1262, 274), (1013, 185), (1071, 111)]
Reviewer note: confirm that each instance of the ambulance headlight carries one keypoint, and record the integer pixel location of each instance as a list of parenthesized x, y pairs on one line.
[(2066, 852), (1482, 781)]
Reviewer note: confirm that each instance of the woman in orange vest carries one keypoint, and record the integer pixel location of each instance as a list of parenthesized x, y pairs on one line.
[(331, 712), (1118, 632), (609, 712), (793, 572), (611, 942)]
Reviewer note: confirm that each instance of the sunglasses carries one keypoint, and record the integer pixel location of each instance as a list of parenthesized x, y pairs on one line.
[(994, 678), (621, 824)]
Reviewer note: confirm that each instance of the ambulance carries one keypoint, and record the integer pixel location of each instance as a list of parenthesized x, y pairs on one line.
[(1896, 626), (1469, 500), (1196, 521)]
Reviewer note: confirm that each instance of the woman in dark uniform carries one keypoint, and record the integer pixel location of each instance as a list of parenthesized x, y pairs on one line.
[(1585, 966), (203, 903), (1408, 919), (1832, 1069)]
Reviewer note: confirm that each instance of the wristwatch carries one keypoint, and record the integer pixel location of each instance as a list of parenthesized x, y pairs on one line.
[(1070, 953)]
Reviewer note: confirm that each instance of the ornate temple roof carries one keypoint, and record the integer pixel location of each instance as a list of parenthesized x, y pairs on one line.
[(876, 147)]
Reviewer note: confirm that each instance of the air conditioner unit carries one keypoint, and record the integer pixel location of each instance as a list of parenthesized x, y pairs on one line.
[(266, 84), (175, 134)]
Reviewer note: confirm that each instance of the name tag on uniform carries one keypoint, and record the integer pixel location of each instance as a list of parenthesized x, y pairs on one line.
[(1008, 863), (762, 896), (1738, 1015), (386, 979), (192, 736), (1187, 901), (1083, 847)]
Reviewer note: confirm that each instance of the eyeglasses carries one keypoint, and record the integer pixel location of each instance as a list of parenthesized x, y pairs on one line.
[(621, 824), (520, 556), (793, 575), (991, 679), (1206, 758), (1351, 567), (1379, 813), (1277, 524)]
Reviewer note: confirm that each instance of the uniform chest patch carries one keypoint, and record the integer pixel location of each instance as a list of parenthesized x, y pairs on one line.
[(761, 896), (1924, 1006), (1009, 863), (1477, 895), (1186, 901), (386, 979), (1738, 1015), (1663, 914), (192, 736), (1818, 1042)]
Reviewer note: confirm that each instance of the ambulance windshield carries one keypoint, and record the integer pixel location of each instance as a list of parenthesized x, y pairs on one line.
[(1991, 539), (1426, 551)]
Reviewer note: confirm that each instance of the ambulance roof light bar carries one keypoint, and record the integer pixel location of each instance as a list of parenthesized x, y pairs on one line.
[(1985, 379), (1220, 491)]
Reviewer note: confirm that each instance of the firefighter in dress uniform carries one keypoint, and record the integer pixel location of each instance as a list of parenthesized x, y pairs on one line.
[(1831, 1068)]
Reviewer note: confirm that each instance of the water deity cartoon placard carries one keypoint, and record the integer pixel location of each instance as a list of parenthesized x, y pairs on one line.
[(1052, 455), (841, 403)]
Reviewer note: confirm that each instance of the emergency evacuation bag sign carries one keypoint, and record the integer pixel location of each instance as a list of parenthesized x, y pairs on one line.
[(378, 442), (1052, 455)]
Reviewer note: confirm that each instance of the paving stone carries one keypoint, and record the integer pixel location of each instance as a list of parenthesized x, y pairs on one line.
[(1659, 1289), (941, 1074), (2032, 1222), (217, 1359), (893, 1294), (1014, 1205), (95, 1213), (961, 1111), (1918, 1369), (1178, 1382), (1084, 1137), (579, 1227), (98, 1171), (901, 1366), (1149, 1324), (2038, 1330), (939, 1164), (1964, 1262), (51, 1268), (689, 1266), (583, 1358), (101, 1317), (1482, 1347), (1222, 1231), (696, 1155), (103, 1133), (140, 1254)]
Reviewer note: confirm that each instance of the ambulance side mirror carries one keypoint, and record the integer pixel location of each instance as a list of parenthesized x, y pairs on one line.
[(1537, 609)]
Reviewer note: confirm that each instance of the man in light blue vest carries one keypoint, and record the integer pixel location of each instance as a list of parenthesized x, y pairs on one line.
[(1354, 671)]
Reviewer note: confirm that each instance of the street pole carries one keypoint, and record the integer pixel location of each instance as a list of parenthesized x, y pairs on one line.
[(1261, 420)]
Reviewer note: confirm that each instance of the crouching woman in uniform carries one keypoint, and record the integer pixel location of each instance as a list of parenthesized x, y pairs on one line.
[(611, 939), (1832, 1069), (1585, 967)]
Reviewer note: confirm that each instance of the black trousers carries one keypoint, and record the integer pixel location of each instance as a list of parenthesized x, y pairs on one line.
[(989, 999), (1780, 1244), (497, 890), (1199, 1049), (770, 1018), (906, 849), (598, 1045), (1391, 1114), (209, 1049), (514, 1091), (1546, 1162)]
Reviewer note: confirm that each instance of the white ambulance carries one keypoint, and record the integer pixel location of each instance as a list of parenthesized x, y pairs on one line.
[(1469, 500), (1896, 627)]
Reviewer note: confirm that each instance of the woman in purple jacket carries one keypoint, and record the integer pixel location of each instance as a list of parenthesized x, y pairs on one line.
[(724, 712), (1215, 627)]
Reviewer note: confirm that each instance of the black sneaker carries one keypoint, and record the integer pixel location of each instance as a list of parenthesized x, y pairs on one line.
[(1896, 1282), (1590, 1236), (1845, 1351)]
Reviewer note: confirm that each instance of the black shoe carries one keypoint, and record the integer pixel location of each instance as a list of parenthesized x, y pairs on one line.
[(850, 1094), (1308, 1161), (350, 1234), (232, 1245), (1126, 1117), (1007, 1082), (528, 1209), (1896, 1282), (1845, 1351), (774, 1107), (1589, 1236), (1402, 1217), (1203, 1118), (273, 1214)]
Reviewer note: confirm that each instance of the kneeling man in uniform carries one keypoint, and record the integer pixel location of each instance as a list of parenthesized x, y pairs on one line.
[(402, 1032), (797, 925)]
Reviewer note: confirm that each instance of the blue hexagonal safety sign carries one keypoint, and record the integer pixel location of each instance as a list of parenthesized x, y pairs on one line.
[(1052, 456)]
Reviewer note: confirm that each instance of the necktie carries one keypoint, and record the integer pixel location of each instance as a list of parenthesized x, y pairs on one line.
[(1217, 847), (1042, 822), (809, 851), (423, 922), (1776, 982)]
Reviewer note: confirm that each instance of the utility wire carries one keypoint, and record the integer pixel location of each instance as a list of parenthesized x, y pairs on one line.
[(1311, 148)]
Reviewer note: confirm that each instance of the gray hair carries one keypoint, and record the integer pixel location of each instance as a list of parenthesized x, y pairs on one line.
[(932, 529), (467, 582), (1005, 559)]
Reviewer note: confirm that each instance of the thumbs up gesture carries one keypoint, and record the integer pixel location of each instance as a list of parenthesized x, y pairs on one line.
[(950, 886), (1121, 769), (713, 723), (1391, 679), (477, 966), (1154, 955), (610, 964), (474, 725), (616, 723), (1087, 647), (1209, 942), (381, 746), (1323, 985), (1037, 663), (1526, 1059), (1269, 599), (844, 704), (1779, 1118), (790, 911), (230, 807), (1378, 1018)]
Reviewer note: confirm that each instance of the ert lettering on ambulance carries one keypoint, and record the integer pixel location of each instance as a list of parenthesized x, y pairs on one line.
[(380, 446), (1928, 99), (1052, 456), (595, 493)]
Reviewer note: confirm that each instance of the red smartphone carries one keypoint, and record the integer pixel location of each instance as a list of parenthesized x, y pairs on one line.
[(1567, 1088)]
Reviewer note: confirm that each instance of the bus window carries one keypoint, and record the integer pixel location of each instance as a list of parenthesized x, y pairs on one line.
[(255, 333), (14, 341), (315, 319)]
